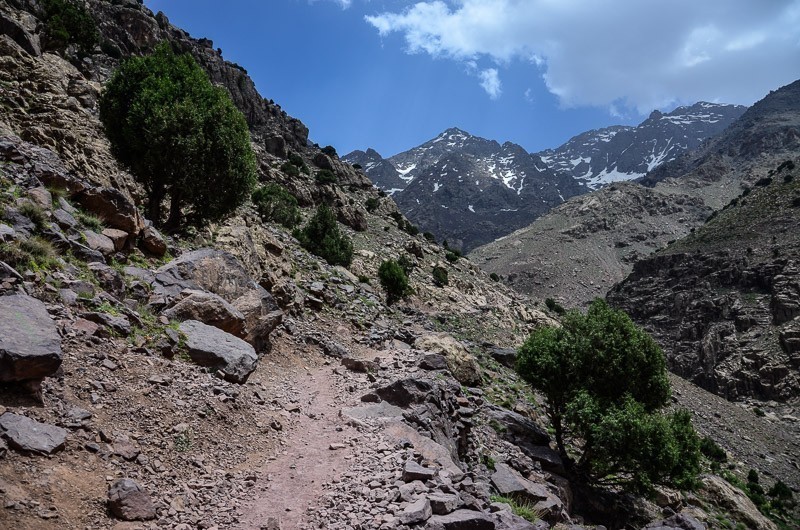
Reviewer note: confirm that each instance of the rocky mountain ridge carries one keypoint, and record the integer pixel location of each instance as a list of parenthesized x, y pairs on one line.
[(465, 189), (699, 182), (616, 153)]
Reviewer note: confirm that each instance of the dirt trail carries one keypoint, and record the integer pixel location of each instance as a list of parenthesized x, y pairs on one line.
[(293, 479)]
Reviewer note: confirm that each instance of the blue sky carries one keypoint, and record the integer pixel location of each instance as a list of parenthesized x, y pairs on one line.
[(391, 74)]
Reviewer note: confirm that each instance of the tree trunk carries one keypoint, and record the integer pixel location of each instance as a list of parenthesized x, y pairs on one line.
[(154, 205), (175, 217)]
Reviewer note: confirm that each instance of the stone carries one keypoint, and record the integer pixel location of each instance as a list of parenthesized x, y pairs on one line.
[(118, 237), (41, 197), (64, 219), (510, 483), (358, 365), (461, 520), (99, 242), (505, 356), (443, 503), (108, 278), (117, 323), (258, 336), (462, 364), (30, 436), (417, 512), (517, 429), (128, 501), (209, 309), (413, 471), (207, 269), (113, 207), (405, 392), (152, 242), (30, 346), (255, 304), (734, 502), (679, 521), (433, 361), (210, 346)]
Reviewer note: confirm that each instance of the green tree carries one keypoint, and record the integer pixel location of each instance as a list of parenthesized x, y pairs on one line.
[(181, 136), (275, 203), (393, 280), (605, 383), (322, 236), (67, 22)]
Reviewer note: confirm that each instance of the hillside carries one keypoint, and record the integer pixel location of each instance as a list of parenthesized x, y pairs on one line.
[(685, 190), (723, 300)]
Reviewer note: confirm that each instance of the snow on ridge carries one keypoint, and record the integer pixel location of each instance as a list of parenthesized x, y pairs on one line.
[(471, 209)]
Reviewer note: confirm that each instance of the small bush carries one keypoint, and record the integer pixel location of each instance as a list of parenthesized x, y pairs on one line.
[(372, 204), (796, 202), (554, 306), (34, 253), (429, 236), (363, 279), (329, 150), (440, 276), (67, 22), (712, 451), (411, 229), (298, 162), (325, 176), (452, 255), (290, 169), (275, 203), (322, 236), (90, 221), (787, 179), (393, 280), (407, 264), (357, 166), (35, 213), (786, 164), (766, 181), (494, 277)]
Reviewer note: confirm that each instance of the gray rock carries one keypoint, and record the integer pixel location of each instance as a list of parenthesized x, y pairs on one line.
[(31, 436), (152, 242), (418, 511), (505, 356), (118, 237), (358, 365), (113, 207), (30, 346), (128, 501), (679, 521), (64, 219), (207, 269), (210, 309), (99, 242), (118, 323), (433, 361), (509, 482), (405, 392), (210, 346), (443, 503), (461, 520), (413, 471)]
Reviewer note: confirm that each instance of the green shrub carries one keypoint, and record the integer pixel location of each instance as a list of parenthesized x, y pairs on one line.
[(357, 166), (33, 253), (411, 229), (275, 203), (407, 264), (322, 236), (429, 236), (440, 278), (787, 179), (452, 255), (393, 280), (494, 277), (67, 22), (605, 383), (372, 204), (180, 135), (712, 451), (325, 176), (290, 169), (35, 213), (329, 150), (554, 306), (765, 181), (90, 221)]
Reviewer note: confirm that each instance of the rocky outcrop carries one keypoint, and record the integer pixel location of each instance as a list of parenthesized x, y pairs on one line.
[(461, 363)]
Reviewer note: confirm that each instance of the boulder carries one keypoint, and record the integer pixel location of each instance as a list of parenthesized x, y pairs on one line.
[(65, 219), (443, 503), (254, 305), (518, 429), (258, 336), (417, 512), (433, 361), (734, 502), (119, 324), (510, 483), (210, 346), (679, 521), (413, 471), (152, 242), (405, 392), (505, 356), (31, 436), (361, 366), (209, 309), (461, 520), (461, 363), (108, 278), (98, 242), (30, 346), (118, 237), (208, 269), (128, 501), (113, 207)]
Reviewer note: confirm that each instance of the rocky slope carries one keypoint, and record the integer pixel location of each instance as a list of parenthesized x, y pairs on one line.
[(612, 154), (465, 189), (723, 302), (227, 378), (698, 182)]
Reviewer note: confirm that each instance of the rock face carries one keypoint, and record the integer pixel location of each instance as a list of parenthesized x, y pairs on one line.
[(724, 302), (461, 363), (212, 347), (129, 501), (735, 503), (30, 346), (30, 436)]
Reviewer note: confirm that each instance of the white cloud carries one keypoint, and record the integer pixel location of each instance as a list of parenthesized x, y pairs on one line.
[(344, 4), (490, 82), (626, 53)]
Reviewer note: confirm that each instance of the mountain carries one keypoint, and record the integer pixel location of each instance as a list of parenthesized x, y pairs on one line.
[(612, 154), (466, 189), (599, 236), (724, 301)]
